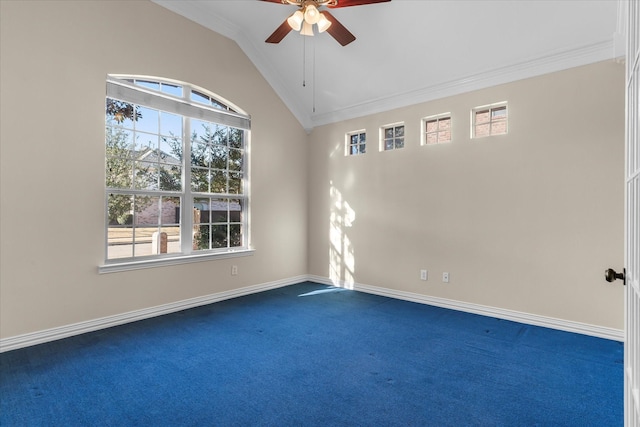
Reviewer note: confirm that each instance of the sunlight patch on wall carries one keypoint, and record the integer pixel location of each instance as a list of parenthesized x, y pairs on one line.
[(341, 254)]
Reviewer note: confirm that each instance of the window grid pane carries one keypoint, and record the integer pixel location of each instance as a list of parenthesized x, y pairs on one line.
[(208, 100), (393, 137), (490, 121), (357, 143), (437, 130), (217, 223), (141, 226)]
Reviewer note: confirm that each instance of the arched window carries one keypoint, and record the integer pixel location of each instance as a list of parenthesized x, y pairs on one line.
[(176, 172)]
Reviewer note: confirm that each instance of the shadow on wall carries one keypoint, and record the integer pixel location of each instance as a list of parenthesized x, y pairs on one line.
[(341, 254)]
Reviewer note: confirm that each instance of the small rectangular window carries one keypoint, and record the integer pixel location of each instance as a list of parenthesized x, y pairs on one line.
[(392, 137), (356, 143), (436, 129), (489, 120)]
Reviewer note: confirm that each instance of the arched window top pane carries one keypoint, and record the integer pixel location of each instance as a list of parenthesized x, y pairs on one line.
[(192, 101), (159, 86), (210, 101), (181, 90)]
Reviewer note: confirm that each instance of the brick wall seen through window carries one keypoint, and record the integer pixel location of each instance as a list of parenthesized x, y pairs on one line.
[(437, 129), (490, 120)]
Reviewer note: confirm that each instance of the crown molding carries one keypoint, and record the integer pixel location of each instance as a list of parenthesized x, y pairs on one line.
[(544, 64), (620, 36), (552, 62)]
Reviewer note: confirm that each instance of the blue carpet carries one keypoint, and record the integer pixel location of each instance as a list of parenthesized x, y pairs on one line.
[(312, 355)]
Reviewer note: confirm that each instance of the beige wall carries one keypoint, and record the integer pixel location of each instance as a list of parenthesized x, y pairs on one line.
[(528, 221), (55, 57)]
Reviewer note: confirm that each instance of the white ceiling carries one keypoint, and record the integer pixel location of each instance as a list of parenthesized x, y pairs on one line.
[(410, 51)]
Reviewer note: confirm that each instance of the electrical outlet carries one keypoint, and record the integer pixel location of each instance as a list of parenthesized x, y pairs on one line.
[(445, 277), (424, 274), (234, 270)]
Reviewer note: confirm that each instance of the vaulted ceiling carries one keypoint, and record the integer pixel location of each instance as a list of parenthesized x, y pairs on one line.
[(411, 51)]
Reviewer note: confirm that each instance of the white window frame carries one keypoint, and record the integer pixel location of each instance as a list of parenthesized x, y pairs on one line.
[(437, 118), (491, 122), (348, 145), (383, 139), (221, 112)]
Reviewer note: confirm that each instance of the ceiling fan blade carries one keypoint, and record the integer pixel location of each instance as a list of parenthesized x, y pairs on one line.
[(347, 3), (279, 33), (273, 1), (338, 31)]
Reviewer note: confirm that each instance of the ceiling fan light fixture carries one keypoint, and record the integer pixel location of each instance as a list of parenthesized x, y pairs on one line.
[(311, 14), (295, 20), (307, 29), (323, 23), (308, 14)]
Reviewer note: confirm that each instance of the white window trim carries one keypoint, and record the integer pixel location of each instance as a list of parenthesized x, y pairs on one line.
[(423, 127), (381, 135), (347, 142), (139, 95), (490, 107), (116, 267)]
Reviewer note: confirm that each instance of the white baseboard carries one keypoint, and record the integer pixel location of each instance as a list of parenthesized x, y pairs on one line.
[(26, 340), (500, 313)]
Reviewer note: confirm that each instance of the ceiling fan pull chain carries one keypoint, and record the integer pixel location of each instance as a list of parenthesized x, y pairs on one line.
[(304, 62), (313, 77)]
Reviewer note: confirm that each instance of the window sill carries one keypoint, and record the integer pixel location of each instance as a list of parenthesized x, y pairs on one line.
[(164, 262)]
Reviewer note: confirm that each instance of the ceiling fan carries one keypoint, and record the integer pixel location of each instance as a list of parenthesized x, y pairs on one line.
[(308, 14)]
